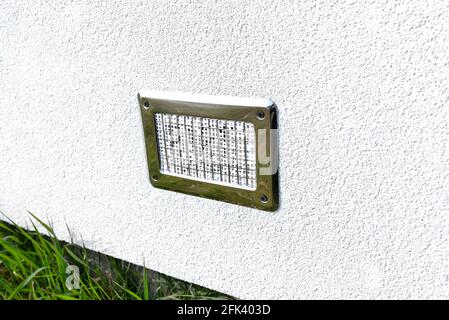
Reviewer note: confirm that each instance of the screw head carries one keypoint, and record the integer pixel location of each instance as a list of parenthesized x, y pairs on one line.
[(263, 198), (155, 178), (146, 104), (260, 115)]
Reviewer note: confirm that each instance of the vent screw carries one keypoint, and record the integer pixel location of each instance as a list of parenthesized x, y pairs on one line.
[(263, 198)]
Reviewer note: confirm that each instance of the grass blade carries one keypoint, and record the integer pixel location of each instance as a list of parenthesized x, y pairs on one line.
[(25, 282)]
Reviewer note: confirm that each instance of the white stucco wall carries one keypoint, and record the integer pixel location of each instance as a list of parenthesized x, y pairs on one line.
[(362, 91)]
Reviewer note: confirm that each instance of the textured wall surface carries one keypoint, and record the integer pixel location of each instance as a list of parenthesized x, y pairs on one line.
[(362, 90)]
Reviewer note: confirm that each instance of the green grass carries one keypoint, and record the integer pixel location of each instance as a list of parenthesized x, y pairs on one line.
[(33, 266)]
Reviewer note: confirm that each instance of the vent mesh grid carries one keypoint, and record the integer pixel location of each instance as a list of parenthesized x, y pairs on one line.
[(205, 149)]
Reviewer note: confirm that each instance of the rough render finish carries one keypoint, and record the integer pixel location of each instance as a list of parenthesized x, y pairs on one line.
[(362, 89)]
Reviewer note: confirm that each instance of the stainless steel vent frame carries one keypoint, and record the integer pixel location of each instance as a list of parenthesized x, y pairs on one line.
[(260, 112)]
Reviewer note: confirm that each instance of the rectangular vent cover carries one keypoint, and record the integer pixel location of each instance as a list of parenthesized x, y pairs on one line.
[(215, 147)]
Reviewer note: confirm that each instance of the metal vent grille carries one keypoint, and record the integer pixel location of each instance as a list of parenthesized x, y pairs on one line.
[(206, 149)]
